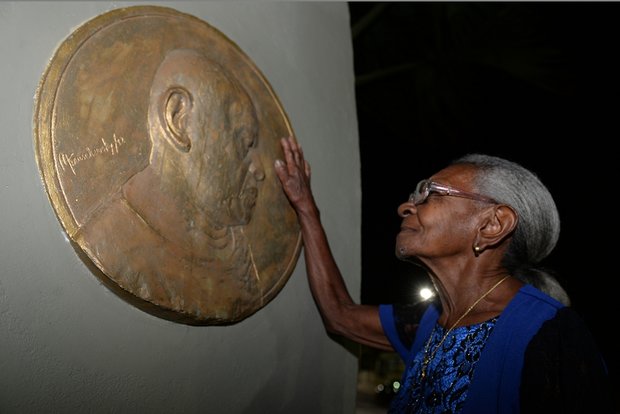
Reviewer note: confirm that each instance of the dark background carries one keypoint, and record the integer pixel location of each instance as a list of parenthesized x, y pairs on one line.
[(536, 83)]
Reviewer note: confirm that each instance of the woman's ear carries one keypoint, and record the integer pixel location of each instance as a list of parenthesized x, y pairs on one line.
[(176, 113), (498, 223)]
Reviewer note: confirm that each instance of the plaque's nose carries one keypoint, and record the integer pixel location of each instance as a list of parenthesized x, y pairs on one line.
[(256, 168)]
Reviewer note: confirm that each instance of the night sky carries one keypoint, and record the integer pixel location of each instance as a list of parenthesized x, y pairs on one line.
[(533, 82)]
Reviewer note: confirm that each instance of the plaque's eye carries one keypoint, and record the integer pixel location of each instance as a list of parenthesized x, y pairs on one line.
[(244, 140)]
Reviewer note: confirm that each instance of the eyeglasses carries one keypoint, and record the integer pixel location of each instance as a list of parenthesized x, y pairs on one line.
[(426, 187)]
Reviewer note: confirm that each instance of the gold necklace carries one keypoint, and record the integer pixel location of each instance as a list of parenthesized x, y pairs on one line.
[(428, 358)]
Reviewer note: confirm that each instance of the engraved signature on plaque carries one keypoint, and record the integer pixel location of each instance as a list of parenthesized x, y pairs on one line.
[(155, 137), (70, 161)]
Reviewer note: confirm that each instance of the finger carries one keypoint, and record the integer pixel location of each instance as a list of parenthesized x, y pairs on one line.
[(293, 140), (281, 171), (289, 156), (291, 145), (294, 149), (285, 144), (301, 153)]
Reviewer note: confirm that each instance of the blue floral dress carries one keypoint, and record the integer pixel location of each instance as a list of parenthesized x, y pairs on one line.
[(443, 387)]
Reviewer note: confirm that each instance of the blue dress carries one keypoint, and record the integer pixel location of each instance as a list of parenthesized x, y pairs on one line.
[(443, 386), (536, 357)]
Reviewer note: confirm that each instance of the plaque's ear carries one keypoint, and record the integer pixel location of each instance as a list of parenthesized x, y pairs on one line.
[(177, 107)]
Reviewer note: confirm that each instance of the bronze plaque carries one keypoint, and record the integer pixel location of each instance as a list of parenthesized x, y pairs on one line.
[(155, 136)]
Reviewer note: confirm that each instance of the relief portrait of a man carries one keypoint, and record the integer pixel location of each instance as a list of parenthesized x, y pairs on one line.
[(155, 138), (190, 203)]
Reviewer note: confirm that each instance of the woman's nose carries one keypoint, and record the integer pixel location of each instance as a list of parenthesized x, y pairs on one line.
[(406, 209)]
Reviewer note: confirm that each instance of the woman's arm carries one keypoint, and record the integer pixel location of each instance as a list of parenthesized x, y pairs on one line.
[(341, 315)]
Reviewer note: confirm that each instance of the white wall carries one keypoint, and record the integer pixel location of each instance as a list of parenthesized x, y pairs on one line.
[(68, 344)]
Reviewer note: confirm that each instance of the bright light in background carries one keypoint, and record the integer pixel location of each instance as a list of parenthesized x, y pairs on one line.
[(426, 293)]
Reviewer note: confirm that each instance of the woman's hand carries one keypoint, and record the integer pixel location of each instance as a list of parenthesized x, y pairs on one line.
[(294, 174)]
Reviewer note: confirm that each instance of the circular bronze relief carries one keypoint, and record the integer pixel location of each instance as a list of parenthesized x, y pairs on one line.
[(155, 136)]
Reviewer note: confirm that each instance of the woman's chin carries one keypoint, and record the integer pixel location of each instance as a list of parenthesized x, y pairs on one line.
[(402, 252)]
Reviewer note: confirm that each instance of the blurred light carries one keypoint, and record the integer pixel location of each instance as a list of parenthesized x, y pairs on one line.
[(396, 386), (426, 293), (379, 388)]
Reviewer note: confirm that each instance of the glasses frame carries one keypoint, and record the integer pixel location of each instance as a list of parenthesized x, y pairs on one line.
[(427, 187)]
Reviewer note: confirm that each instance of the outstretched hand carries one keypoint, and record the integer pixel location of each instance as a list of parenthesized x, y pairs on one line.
[(294, 174)]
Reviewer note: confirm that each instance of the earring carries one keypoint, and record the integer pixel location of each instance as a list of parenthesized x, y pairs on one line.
[(477, 250)]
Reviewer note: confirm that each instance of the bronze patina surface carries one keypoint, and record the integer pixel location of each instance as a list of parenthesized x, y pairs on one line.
[(155, 136)]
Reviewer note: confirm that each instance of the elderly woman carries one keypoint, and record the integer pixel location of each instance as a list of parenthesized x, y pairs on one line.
[(500, 338)]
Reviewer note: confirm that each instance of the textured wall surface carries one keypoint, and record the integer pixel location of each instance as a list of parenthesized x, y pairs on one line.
[(68, 344)]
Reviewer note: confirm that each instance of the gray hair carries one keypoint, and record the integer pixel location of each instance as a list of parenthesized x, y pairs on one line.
[(538, 228)]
